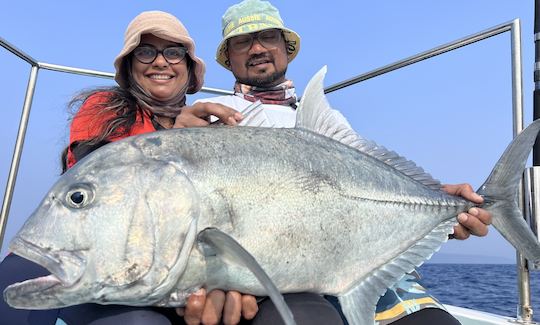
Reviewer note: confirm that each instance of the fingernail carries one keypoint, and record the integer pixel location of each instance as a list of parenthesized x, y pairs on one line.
[(473, 211), (478, 197), (200, 292), (238, 116), (232, 121), (462, 217)]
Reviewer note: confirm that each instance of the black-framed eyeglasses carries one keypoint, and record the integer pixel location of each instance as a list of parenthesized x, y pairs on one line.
[(269, 38), (147, 54)]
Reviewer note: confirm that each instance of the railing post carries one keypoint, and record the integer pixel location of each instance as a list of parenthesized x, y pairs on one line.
[(17, 151)]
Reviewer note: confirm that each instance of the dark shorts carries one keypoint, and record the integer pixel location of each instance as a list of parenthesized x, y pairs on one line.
[(307, 308)]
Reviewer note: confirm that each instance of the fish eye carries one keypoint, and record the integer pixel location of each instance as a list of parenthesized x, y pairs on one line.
[(79, 196)]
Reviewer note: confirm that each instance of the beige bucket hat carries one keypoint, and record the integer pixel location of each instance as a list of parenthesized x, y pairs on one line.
[(251, 16), (165, 26)]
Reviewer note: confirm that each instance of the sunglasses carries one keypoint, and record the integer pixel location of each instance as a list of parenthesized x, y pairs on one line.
[(269, 39), (147, 54)]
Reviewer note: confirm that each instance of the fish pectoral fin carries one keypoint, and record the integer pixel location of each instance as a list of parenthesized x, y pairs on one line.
[(226, 247)]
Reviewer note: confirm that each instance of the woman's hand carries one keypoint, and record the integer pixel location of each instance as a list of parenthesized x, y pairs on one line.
[(199, 115), (217, 306)]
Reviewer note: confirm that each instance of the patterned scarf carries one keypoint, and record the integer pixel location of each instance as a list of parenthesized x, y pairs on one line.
[(282, 94)]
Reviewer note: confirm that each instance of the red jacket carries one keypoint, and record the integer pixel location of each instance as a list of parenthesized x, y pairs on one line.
[(87, 123)]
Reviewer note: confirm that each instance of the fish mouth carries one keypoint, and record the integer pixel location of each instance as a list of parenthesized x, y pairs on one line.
[(66, 268)]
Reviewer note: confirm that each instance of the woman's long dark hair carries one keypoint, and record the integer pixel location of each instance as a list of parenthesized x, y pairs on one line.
[(119, 104)]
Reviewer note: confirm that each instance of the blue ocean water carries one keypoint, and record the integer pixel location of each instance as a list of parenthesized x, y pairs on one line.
[(486, 287)]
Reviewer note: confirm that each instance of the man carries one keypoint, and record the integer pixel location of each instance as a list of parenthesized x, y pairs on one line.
[(257, 49)]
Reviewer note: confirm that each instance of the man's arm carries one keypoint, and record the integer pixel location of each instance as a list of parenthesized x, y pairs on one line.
[(476, 220), (199, 115), (216, 306)]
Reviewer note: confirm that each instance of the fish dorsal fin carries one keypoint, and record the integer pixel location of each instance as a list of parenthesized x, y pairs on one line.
[(359, 303), (315, 114)]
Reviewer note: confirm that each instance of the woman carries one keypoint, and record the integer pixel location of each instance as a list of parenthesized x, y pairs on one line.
[(155, 69)]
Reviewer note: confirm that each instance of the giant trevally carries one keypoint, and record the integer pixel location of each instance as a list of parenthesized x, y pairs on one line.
[(152, 218)]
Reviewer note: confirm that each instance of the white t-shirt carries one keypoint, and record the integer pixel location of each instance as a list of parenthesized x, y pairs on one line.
[(266, 115)]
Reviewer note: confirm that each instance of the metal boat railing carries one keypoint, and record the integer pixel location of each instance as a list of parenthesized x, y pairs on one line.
[(524, 310)]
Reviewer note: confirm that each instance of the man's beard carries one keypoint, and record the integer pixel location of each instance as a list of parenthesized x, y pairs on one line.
[(263, 81)]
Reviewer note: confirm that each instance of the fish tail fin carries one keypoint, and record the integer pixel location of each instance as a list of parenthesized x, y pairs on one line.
[(500, 194)]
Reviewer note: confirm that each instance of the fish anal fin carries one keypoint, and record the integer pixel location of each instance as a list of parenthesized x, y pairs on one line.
[(359, 303)]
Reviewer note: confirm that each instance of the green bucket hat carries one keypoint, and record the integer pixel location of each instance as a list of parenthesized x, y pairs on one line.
[(251, 16)]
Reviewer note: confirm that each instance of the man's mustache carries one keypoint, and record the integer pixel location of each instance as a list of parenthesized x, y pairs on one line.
[(256, 57)]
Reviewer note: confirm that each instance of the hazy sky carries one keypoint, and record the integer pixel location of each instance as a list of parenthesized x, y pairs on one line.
[(451, 114)]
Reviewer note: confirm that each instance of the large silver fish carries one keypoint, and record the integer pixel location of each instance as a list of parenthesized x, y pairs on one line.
[(150, 219)]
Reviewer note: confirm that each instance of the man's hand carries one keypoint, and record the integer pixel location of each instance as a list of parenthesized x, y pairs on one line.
[(476, 220), (199, 115), (218, 306)]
